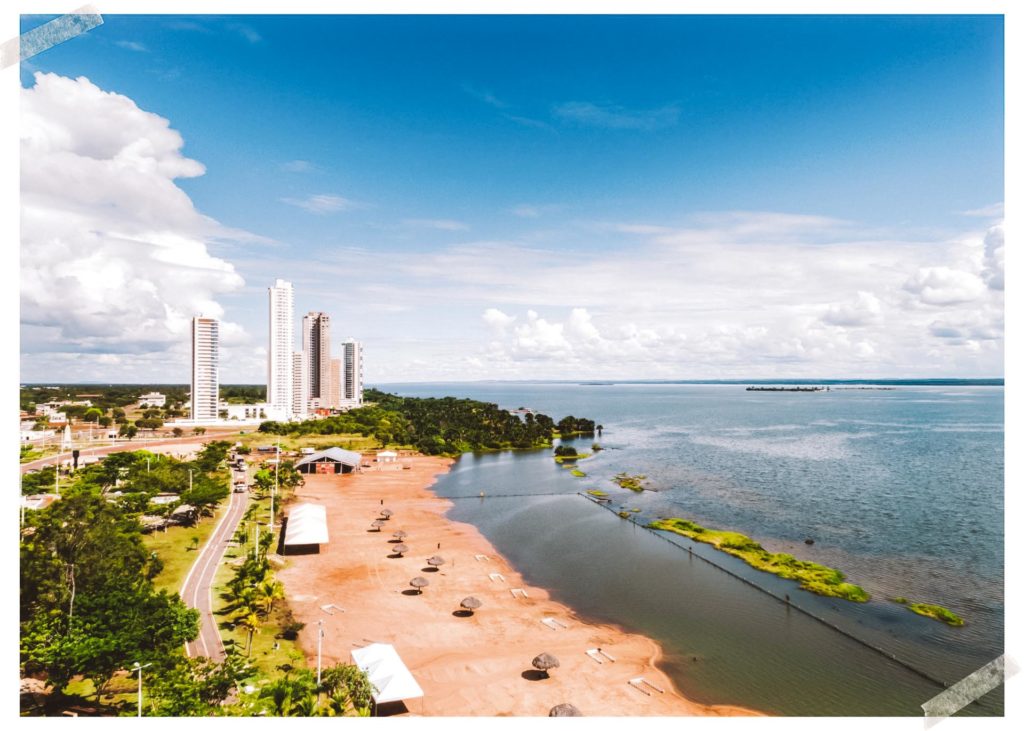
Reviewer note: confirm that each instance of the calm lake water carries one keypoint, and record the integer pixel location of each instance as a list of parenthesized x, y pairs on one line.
[(901, 489)]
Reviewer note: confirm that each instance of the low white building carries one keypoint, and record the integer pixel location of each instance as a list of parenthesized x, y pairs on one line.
[(28, 436), (153, 398)]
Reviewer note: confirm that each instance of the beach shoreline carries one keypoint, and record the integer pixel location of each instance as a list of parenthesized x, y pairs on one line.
[(475, 664)]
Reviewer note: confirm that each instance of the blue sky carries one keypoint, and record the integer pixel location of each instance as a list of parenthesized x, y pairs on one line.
[(559, 196)]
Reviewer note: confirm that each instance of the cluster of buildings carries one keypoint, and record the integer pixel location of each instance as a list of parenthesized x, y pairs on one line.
[(313, 380)]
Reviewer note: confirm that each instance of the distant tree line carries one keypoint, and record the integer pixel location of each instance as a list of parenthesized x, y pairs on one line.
[(447, 426)]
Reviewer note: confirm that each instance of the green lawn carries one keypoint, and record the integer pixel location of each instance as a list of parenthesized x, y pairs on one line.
[(174, 547), (354, 442)]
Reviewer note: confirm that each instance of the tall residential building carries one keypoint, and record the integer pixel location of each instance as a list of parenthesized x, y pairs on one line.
[(334, 393), (300, 385), (205, 368), (316, 344), (352, 381), (280, 349)]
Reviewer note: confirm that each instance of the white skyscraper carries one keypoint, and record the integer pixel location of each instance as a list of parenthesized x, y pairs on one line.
[(205, 368), (280, 382), (352, 380), (300, 385)]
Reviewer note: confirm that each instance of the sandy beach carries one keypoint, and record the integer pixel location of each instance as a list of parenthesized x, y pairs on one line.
[(467, 665)]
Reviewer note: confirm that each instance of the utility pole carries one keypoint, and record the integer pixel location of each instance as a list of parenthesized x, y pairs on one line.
[(138, 669)]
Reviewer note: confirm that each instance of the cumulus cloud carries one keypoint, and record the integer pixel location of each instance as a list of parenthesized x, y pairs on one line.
[(497, 319), (115, 258), (943, 286), (993, 272), (866, 309)]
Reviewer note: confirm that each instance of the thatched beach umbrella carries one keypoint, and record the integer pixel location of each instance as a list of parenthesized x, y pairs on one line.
[(399, 534), (545, 662), (378, 524), (386, 513), (470, 603), (565, 709), (419, 582), (399, 548), (435, 561)]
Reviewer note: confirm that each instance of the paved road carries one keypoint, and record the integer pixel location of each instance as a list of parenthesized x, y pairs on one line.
[(123, 447), (197, 590)]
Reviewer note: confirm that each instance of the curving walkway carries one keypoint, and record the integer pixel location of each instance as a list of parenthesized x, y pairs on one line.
[(197, 590)]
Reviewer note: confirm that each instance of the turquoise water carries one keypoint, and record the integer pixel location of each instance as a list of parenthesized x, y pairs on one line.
[(901, 489)]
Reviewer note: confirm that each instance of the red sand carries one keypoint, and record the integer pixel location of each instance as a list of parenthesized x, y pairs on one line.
[(476, 665)]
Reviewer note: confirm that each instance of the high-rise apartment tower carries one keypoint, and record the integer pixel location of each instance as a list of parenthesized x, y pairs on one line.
[(205, 368), (352, 366), (316, 344), (280, 347)]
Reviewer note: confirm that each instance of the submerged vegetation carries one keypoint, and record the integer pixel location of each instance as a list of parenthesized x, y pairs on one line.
[(630, 482), (597, 493), (578, 473), (812, 577), (932, 610)]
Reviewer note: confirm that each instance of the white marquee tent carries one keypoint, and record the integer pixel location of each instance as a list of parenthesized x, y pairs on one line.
[(307, 524), (387, 672)]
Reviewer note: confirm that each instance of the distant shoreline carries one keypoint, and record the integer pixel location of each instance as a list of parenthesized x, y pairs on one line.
[(622, 382)]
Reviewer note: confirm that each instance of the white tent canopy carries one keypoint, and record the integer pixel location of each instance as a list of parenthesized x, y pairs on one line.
[(307, 524), (387, 672)]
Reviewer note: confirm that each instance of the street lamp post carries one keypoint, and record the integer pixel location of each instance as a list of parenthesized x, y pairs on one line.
[(273, 492), (138, 669), (319, 648)]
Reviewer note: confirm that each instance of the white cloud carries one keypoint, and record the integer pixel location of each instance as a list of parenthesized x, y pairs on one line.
[(246, 31), (440, 224), (497, 319), (613, 116), (943, 286), (485, 96), (115, 258), (993, 273), (992, 211), (297, 166), (865, 310), (132, 46), (529, 210), (322, 203)]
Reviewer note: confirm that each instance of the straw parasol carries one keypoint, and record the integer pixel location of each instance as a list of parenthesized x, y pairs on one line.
[(565, 709), (378, 524), (470, 603), (435, 561), (399, 534), (399, 548), (386, 513), (419, 582), (545, 662)]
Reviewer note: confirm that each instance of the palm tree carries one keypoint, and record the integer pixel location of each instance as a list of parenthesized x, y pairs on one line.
[(268, 591), (251, 622)]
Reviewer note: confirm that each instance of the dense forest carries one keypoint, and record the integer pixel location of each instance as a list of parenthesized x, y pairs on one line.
[(448, 426)]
